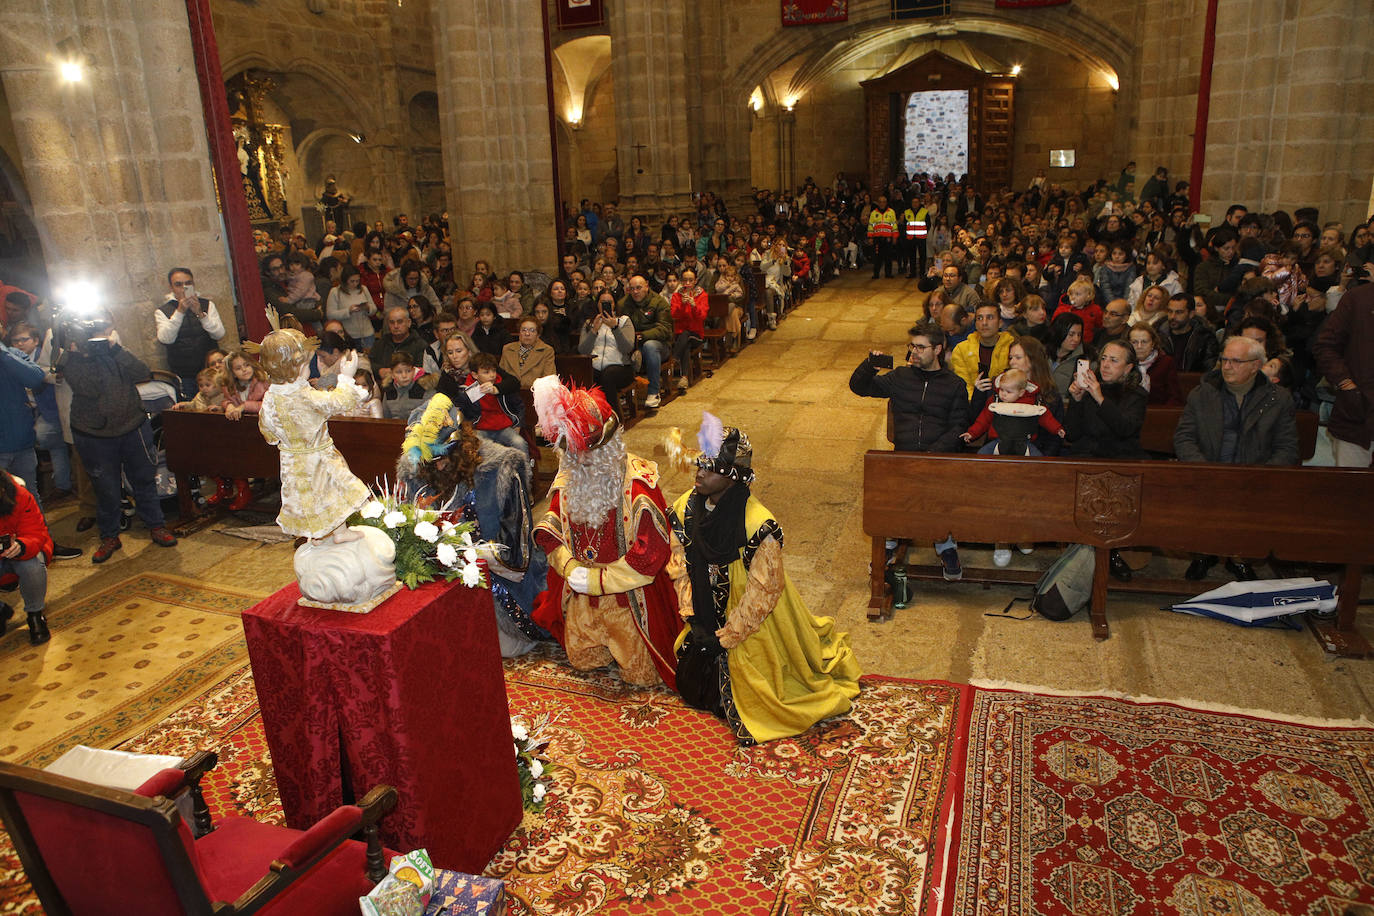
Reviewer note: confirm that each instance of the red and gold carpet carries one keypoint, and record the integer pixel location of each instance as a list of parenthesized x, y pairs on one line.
[(1099, 807), (656, 810)]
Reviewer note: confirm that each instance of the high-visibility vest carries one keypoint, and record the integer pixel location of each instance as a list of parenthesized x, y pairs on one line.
[(882, 224), (916, 227)]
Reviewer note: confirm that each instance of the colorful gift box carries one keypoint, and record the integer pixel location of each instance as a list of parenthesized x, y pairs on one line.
[(457, 894)]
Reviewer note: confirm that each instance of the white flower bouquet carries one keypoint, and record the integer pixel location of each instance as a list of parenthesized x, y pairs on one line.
[(428, 545), (530, 741)]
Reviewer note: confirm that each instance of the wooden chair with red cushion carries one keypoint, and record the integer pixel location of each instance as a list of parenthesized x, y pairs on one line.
[(89, 849)]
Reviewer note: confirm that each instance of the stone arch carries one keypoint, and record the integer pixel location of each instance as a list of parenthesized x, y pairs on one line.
[(366, 121), (1077, 33)]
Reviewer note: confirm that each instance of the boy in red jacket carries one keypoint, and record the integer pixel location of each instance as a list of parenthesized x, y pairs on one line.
[(27, 550)]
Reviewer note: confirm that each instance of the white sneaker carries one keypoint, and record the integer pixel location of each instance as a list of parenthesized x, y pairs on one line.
[(1001, 557), (682, 383), (753, 332), (652, 401), (1026, 549)]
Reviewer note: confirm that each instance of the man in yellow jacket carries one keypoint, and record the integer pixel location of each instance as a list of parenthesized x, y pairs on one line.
[(882, 233), (983, 355)]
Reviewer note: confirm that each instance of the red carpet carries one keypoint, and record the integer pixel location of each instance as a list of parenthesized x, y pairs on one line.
[(1099, 807), (655, 809)]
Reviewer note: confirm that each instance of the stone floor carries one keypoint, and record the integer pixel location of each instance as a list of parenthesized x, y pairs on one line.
[(788, 391)]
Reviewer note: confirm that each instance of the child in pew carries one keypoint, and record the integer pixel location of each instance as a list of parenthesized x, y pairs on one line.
[(209, 396), (403, 392), (1012, 388), (372, 407), (497, 409)]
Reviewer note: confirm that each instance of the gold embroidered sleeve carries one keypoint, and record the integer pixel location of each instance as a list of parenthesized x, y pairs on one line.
[(762, 590), (682, 584)]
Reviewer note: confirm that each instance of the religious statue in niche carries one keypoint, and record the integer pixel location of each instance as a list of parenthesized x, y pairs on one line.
[(334, 203), (340, 567), (260, 148)]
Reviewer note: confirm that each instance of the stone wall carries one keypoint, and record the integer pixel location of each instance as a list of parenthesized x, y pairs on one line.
[(117, 165)]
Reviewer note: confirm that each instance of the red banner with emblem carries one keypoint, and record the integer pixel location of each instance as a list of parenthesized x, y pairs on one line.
[(814, 12), (579, 14)]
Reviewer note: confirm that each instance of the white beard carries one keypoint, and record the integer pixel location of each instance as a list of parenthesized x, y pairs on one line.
[(596, 481)]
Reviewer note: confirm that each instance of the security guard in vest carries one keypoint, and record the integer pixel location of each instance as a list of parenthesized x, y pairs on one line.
[(915, 228), (882, 234)]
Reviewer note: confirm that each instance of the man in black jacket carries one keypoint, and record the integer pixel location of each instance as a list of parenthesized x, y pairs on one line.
[(111, 431), (1187, 338), (929, 408)]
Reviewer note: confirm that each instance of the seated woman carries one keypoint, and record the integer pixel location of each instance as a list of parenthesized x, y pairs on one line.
[(25, 551), (453, 470), (1105, 415), (1158, 373), (557, 316), (490, 334), (1065, 348), (1107, 407), (1028, 355), (528, 357), (609, 339)]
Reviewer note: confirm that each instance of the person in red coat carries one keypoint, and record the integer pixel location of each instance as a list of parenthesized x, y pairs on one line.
[(609, 595), (689, 306), (1156, 367), (26, 553)]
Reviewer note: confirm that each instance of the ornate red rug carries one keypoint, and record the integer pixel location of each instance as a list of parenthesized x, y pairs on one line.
[(1099, 807), (656, 810)]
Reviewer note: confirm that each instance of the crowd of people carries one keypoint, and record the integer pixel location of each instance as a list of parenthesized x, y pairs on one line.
[(1077, 310)]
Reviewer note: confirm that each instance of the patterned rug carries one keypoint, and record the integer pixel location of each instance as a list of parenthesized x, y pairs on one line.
[(655, 810), (117, 662), (1100, 807)]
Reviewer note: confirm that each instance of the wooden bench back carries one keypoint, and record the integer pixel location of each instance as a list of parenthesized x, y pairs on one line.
[(574, 367), (1301, 514), (208, 444)]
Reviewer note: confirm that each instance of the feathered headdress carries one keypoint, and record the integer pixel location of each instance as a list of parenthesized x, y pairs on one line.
[(575, 419), (722, 449)]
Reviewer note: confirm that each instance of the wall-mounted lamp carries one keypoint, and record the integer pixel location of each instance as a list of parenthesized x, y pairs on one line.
[(1113, 81), (575, 118), (789, 103), (1016, 70), (358, 138)]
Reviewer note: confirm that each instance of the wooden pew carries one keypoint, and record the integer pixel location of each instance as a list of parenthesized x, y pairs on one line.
[(209, 445), (718, 309), (1299, 514), (1157, 435)]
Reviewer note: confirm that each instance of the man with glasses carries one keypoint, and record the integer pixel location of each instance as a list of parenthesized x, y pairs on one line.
[(1115, 324), (929, 408), (1237, 416)]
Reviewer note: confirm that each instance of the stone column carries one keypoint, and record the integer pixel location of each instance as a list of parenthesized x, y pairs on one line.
[(720, 154), (653, 131), (117, 165), (494, 121)]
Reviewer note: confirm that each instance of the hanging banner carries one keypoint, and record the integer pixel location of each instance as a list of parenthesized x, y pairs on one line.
[(578, 14), (1025, 4), (814, 12)]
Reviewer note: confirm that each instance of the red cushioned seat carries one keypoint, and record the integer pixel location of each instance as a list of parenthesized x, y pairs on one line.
[(89, 849)]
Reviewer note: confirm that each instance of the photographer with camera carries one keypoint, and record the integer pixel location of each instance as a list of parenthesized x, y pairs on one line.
[(189, 326), (929, 407), (609, 339), (109, 426)]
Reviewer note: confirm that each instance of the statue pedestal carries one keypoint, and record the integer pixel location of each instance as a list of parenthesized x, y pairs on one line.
[(411, 695)]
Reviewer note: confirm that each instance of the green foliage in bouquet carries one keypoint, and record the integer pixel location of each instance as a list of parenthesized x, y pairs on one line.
[(427, 547), (530, 741)]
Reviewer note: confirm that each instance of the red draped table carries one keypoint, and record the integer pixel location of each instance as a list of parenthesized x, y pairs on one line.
[(411, 695)]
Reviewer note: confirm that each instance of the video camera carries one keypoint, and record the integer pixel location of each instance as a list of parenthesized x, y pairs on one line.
[(81, 320)]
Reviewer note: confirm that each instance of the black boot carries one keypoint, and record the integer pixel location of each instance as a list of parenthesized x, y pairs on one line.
[(38, 629), (6, 612)]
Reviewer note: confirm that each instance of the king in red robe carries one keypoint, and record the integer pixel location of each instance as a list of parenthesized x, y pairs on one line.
[(606, 534)]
